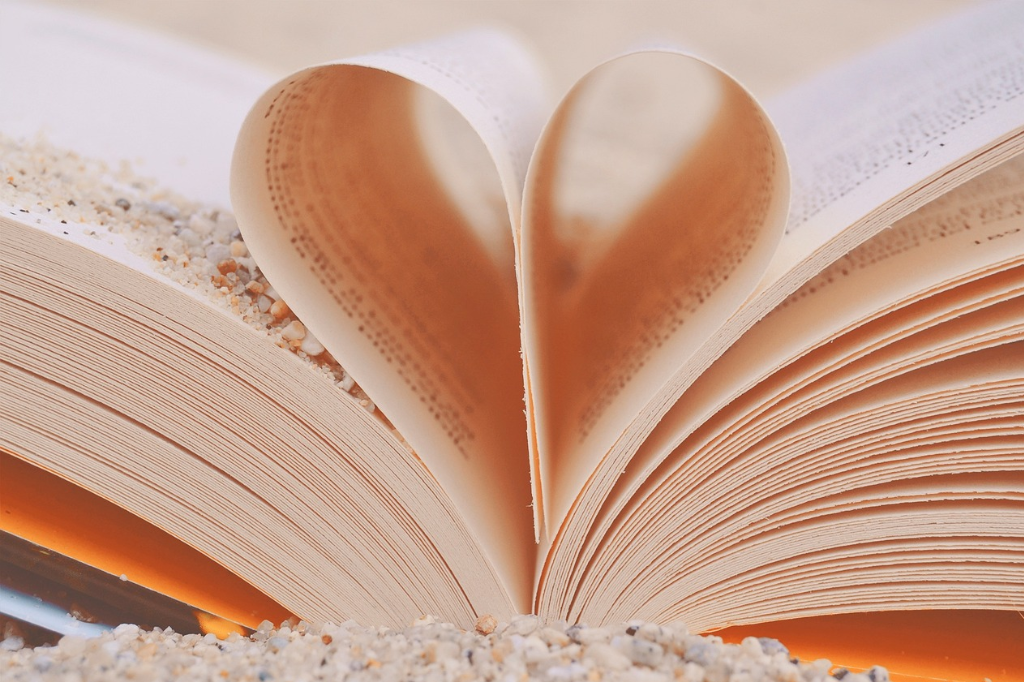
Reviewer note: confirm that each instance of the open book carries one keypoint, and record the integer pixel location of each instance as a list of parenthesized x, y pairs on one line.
[(771, 355)]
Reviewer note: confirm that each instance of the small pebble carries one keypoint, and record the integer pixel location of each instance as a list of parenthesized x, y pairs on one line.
[(12, 643), (347, 382), (276, 644), (294, 331), (877, 674), (641, 651), (485, 624), (752, 647), (200, 224), (280, 310), (606, 656), (227, 266), (589, 636), (523, 625), (554, 637), (310, 345), (217, 253)]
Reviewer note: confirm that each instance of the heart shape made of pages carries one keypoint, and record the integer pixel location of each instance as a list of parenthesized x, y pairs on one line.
[(454, 253)]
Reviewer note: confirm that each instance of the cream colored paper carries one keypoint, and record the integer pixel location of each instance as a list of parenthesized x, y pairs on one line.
[(858, 448), (947, 259), (117, 94), (342, 206), (345, 211), (871, 136), (980, 51), (615, 304)]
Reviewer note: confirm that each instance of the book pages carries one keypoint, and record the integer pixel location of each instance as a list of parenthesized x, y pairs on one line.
[(171, 110), (880, 446), (877, 295), (341, 204), (73, 522), (280, 461), (713, 269), (613, 306), (869, 137), (969, 230), (980, 143), (652, 351)]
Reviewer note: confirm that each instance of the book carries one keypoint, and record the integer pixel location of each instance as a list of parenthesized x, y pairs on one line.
[(770, 355)]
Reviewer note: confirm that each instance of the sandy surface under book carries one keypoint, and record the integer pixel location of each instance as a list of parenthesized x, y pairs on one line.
[(524, 648)]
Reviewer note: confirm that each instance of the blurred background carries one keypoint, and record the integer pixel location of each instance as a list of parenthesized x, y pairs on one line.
[(766, 44)]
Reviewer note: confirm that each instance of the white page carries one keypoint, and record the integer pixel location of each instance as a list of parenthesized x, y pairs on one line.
[(117, 93), (619, 294), (886, 123), (968, 232), (340, 203), (826, 123)]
